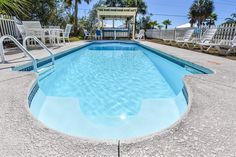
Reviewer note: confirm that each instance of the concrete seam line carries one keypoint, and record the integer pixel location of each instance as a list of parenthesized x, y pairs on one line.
[(119, 148)]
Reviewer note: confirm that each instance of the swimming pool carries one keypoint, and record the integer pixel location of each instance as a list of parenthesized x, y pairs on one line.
[(112, 90)]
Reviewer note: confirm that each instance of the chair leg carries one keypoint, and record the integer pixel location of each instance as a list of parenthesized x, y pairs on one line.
[(178, 44), (209, 48), (201, 48), (220, 50), (57, 41), (232, 49), (187, 45), (184, 44), (43, 40)]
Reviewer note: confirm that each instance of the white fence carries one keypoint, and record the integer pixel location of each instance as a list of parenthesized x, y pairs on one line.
[(224, 32), (8, 26), (166, 34)]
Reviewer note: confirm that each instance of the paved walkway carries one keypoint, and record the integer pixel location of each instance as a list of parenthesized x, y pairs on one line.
[(207, 129)]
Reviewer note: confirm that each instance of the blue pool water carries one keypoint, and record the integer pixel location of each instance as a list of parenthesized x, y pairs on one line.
[(111, 91)]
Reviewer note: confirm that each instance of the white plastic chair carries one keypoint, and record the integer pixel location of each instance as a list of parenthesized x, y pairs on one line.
[(65, 35), (98, 34), (140, 35), (87, 35)]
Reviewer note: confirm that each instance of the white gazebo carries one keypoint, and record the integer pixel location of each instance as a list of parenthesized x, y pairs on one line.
[(117, 13)]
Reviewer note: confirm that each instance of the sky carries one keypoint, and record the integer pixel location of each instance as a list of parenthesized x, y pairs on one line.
[(175, 10)]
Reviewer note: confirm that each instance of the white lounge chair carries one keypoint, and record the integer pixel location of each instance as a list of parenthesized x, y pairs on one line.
[(181, 42), (140, 35), (34, 28), (168, 41), (230, 45), (206, 39), (54, 27)]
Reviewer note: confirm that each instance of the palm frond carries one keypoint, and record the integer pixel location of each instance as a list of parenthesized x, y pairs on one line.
[(14, 7)]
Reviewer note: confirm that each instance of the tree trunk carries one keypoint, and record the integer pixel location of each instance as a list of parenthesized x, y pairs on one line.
[(76, 18), (166, 26), (200, 27), (210, 23)]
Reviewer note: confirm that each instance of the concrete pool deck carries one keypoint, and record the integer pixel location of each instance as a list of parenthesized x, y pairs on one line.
[(207, 129)]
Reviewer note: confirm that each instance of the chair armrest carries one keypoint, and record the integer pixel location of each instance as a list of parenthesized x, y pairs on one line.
[(179, 38), (205, 40)]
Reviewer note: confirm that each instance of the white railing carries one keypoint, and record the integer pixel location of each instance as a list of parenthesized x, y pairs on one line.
[(25, 51), (171, 34), (42, 45), (225, 32), (8, 26)]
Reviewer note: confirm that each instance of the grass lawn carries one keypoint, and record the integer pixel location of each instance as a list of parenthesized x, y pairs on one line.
[(72, 39)]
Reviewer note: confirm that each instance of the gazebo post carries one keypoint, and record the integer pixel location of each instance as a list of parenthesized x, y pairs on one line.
[(134, 25), (102, 30)]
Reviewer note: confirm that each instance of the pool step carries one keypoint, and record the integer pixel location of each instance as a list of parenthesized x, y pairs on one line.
[(45, 71)]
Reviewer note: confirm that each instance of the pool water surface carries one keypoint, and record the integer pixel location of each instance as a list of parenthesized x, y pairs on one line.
[(111, 91)]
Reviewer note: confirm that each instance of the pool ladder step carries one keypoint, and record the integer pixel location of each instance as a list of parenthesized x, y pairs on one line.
[(45, 71)]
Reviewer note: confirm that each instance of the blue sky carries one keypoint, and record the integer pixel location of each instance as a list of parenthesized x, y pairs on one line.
[(177, 9)]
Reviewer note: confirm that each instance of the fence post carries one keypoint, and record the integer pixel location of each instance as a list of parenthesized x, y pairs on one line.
[(175, 33), (160, 34)]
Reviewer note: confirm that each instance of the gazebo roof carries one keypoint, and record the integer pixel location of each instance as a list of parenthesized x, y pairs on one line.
[(116, 12)]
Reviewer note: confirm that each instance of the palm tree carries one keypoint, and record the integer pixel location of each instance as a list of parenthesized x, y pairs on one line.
[(232, 19), (200, 10), (152, 24), (14, 7), (159, 26), (76, 3), (166, 23), (114, 3), (140, 4), (211, 19)]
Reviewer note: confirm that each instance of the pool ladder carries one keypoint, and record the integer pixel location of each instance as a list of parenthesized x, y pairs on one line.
[(27, 53)]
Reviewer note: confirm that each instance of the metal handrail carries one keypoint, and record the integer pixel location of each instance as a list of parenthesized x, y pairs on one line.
[(41, 44), (25, 51)]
